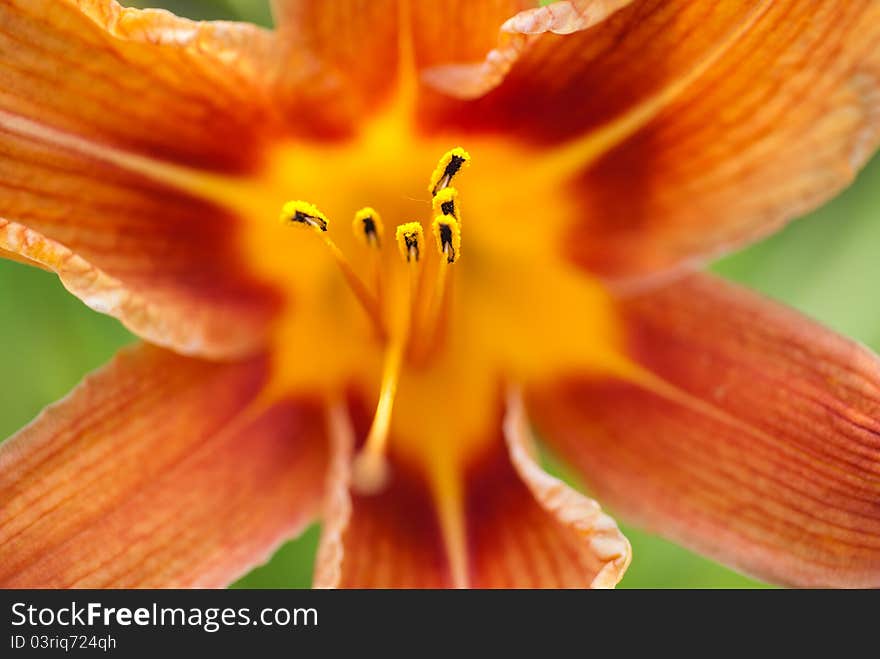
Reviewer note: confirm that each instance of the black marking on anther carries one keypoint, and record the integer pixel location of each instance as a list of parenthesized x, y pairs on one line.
[(311, 220), (452, 168), (454, 165), (411, 240), (446, 242), (448, 208), (370, 230)]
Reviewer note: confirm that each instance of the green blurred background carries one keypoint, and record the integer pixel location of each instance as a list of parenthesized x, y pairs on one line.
[(825, 265)]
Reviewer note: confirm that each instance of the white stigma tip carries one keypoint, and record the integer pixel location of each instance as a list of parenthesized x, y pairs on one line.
[(370, 473)]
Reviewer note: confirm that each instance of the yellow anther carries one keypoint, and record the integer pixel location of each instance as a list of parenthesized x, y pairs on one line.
[(303, 213), (410, 239), (447, 234), (445, 202), (368, 227), (450, 164)]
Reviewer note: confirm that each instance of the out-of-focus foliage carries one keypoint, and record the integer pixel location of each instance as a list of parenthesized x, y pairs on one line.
[(825, 265)]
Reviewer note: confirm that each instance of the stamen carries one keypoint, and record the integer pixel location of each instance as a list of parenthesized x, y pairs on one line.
[(368, 227), (369, 230), (432, 313), (410, 242), (447, 235), (450, 164), (302, 213), (410, 238), (444, 203)]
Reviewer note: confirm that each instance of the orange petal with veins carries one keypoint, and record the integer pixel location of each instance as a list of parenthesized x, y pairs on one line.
[(687, 128), (752, 435), (93, 98), (158, 471), (342, 56), (142, 81), (458, 30)]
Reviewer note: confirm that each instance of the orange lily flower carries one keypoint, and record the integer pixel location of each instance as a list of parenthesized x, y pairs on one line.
[(386, 354)]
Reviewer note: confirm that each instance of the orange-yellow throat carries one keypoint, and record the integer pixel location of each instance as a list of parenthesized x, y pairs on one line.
[(424, 292), (407, 306)]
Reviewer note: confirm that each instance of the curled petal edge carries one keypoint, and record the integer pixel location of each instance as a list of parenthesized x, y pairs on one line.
[(105, 294), (468, 81), (572, 509)]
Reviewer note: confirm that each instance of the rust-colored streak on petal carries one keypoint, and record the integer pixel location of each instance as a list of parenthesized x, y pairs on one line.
[(393, 540), (752, 437), (157, 471), (689, 128), (387, 540), (570, 79), (526, 529)]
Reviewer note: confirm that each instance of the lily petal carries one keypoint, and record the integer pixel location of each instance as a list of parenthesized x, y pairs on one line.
[(387, 540), (360, 51), (459, 30), (599, 552), (190, 315), (752, 435), (345, 50), (687, 128), (96, 102), (469, 78), (514, 526), (142, 81), (157, 471)]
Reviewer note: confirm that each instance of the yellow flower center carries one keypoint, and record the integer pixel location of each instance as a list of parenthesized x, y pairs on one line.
[(506, 307), (409, 324)]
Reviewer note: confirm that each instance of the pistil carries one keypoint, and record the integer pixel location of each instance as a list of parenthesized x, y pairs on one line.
[(370, 468)]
